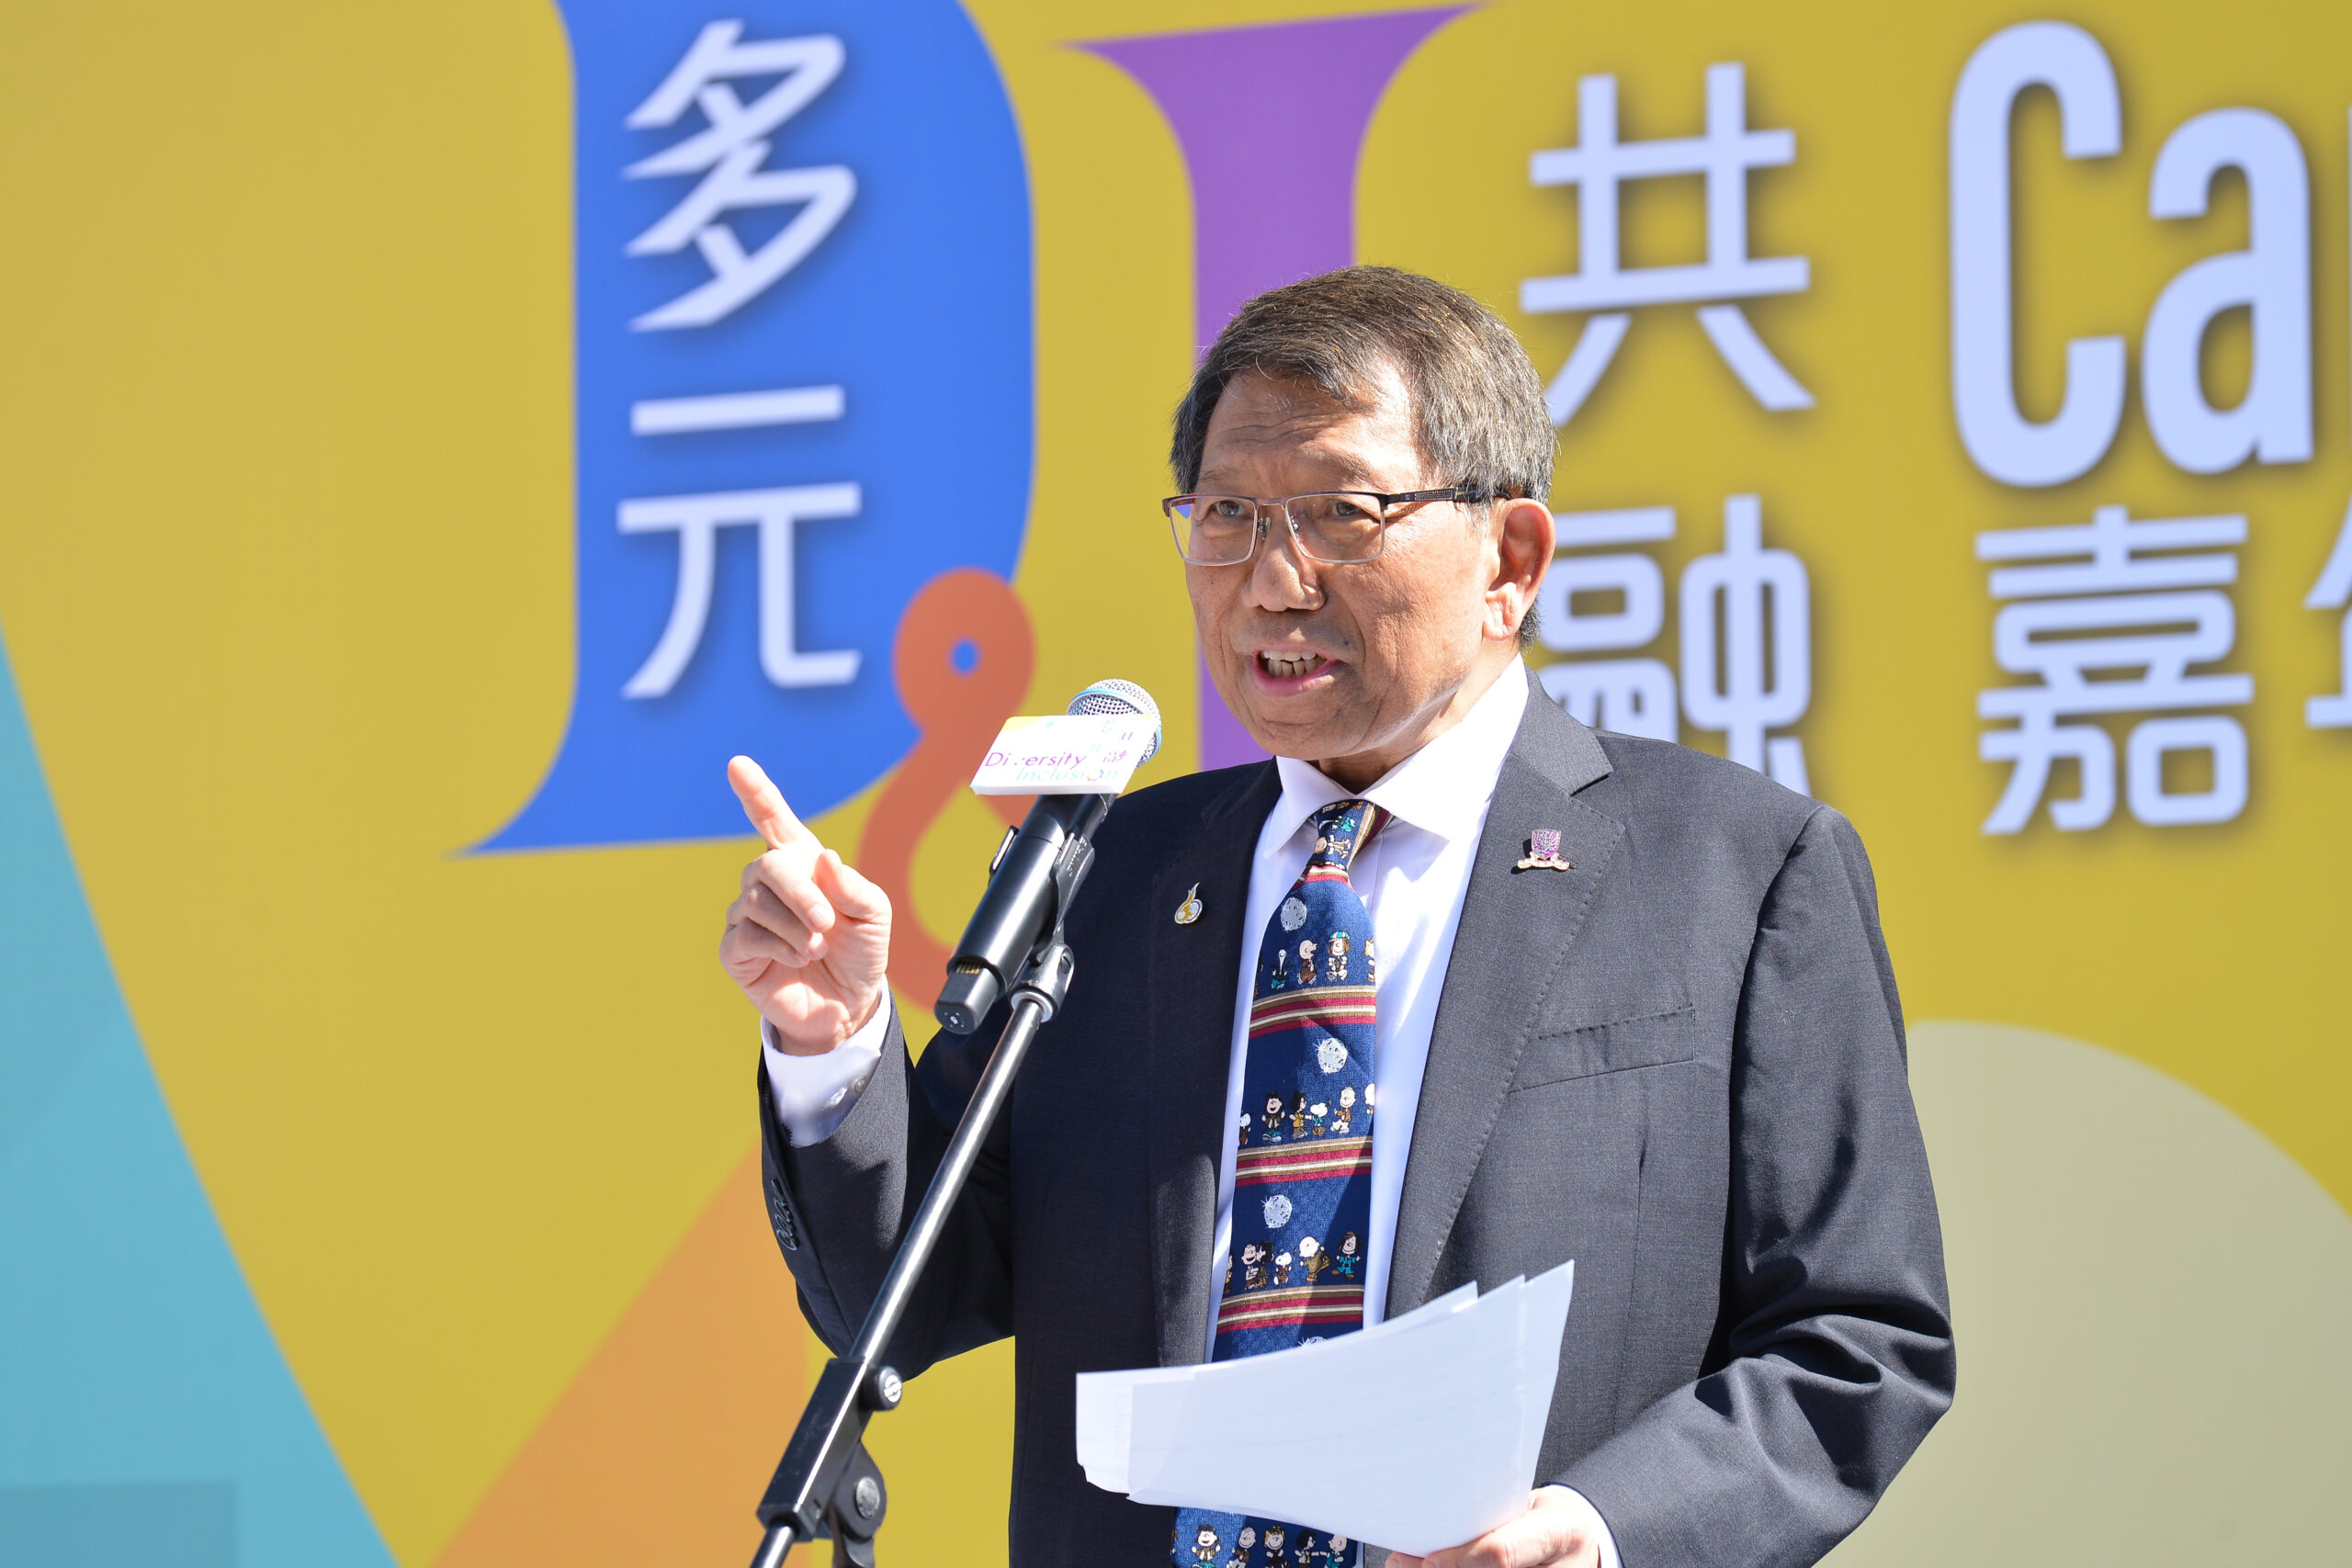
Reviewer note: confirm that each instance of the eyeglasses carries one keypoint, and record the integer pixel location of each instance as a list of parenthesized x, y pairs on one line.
[(1335, 527)]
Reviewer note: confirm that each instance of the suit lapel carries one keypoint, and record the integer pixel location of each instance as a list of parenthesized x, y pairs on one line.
[(1516, 927), (1188, 1005)]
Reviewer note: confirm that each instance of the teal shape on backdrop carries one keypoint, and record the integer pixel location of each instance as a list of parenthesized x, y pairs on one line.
[(187, 1524)]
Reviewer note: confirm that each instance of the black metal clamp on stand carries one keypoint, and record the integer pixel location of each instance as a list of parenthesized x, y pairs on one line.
[(827, 1484)]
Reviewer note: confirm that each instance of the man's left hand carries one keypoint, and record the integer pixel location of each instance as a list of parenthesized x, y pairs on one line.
[(1556, 1531)]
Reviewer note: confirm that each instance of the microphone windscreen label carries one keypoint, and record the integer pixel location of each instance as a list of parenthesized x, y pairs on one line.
[(1065, 753)]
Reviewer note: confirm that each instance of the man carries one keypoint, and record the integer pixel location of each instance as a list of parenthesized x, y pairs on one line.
[(1632, 1009)]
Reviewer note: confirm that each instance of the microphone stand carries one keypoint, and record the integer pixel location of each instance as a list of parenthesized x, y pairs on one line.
[(827, 1484)]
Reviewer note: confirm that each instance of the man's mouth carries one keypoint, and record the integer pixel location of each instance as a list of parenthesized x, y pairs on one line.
[(1291, 666)]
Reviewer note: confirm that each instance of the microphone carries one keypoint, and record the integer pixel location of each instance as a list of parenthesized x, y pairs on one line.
[(1034, 877)]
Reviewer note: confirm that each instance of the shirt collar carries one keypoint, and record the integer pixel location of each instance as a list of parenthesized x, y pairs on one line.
[(1442, 789)]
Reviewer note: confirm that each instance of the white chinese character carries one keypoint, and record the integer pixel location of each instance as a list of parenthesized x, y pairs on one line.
[(1631, 697), (732, 146), (1597, 165), (2334, 591), (2136, 621), (697, 520), (1756, 673)]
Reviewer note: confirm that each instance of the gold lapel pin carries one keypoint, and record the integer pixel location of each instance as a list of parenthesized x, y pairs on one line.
[(1189, 909), (1542, 853)]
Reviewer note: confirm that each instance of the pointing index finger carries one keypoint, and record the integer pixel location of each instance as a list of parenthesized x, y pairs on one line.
[(763, 803)]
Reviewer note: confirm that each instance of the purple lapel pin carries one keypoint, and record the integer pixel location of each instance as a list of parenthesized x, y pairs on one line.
[(1543, 852)]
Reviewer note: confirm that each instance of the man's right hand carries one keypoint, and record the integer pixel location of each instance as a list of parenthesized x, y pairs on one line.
[(809, 938)]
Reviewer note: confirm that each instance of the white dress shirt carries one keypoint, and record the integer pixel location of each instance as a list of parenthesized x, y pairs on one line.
[(1412, 877)]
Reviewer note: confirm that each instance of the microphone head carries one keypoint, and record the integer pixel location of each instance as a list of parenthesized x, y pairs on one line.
[(1121, 696)]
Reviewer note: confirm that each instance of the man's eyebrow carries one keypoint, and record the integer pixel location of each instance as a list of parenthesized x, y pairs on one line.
[(1345, 474), (1354, 475)]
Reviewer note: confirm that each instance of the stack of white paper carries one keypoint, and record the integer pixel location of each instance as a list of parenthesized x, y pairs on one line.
[(1416, 1435)]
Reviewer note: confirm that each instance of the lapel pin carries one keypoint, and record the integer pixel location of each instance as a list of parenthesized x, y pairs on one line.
[(1542, 853), (1189, 909)]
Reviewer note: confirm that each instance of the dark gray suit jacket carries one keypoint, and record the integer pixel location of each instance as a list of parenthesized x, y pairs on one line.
[(1681, 1064)]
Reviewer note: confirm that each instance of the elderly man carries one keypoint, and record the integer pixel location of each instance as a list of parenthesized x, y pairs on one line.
[(1631, 1007)]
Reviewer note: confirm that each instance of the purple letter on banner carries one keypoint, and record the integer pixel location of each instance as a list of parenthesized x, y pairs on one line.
[(1273, 185)]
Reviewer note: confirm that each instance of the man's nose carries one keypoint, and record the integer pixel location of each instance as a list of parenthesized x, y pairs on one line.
[(1281, 578)]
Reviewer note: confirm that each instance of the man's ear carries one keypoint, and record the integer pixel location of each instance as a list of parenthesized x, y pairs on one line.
[(1523, 545)]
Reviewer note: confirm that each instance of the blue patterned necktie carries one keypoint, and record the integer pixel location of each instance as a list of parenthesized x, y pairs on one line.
[(1302, 1182)]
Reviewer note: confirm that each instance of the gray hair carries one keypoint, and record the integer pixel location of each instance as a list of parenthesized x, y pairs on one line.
[(1477, 403)]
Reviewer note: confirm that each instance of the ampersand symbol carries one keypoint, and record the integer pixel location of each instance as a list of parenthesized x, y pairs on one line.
[(962, 661)]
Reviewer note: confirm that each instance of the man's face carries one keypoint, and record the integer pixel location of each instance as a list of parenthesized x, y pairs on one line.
[(1355, 666)]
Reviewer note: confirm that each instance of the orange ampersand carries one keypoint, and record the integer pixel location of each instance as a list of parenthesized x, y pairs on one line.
[(962, 661)]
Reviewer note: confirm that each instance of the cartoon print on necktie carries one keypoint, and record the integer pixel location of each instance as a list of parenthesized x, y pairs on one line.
[(1305, 1177)]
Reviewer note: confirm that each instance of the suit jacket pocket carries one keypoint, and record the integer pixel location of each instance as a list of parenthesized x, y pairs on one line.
[(1649, 1041)]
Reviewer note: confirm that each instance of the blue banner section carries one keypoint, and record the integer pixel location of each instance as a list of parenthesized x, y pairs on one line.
[(805, 362), (146, 1414)]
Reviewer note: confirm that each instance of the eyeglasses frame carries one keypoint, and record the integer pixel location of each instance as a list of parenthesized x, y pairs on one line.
[(1389, 502)]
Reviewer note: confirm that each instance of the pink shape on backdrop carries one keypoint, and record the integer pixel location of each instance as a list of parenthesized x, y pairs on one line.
[(1272, 155)]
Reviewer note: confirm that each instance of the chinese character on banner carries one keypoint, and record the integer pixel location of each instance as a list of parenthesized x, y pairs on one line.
[(1631, 697), (732, 146), (1747, 645), (1598, 166), (1746, 635), (697, 520), (2333, 591), (2110, 626)]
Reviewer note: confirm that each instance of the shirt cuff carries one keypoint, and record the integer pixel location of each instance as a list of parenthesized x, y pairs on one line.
[(1593, 1521), (813, 1095)]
